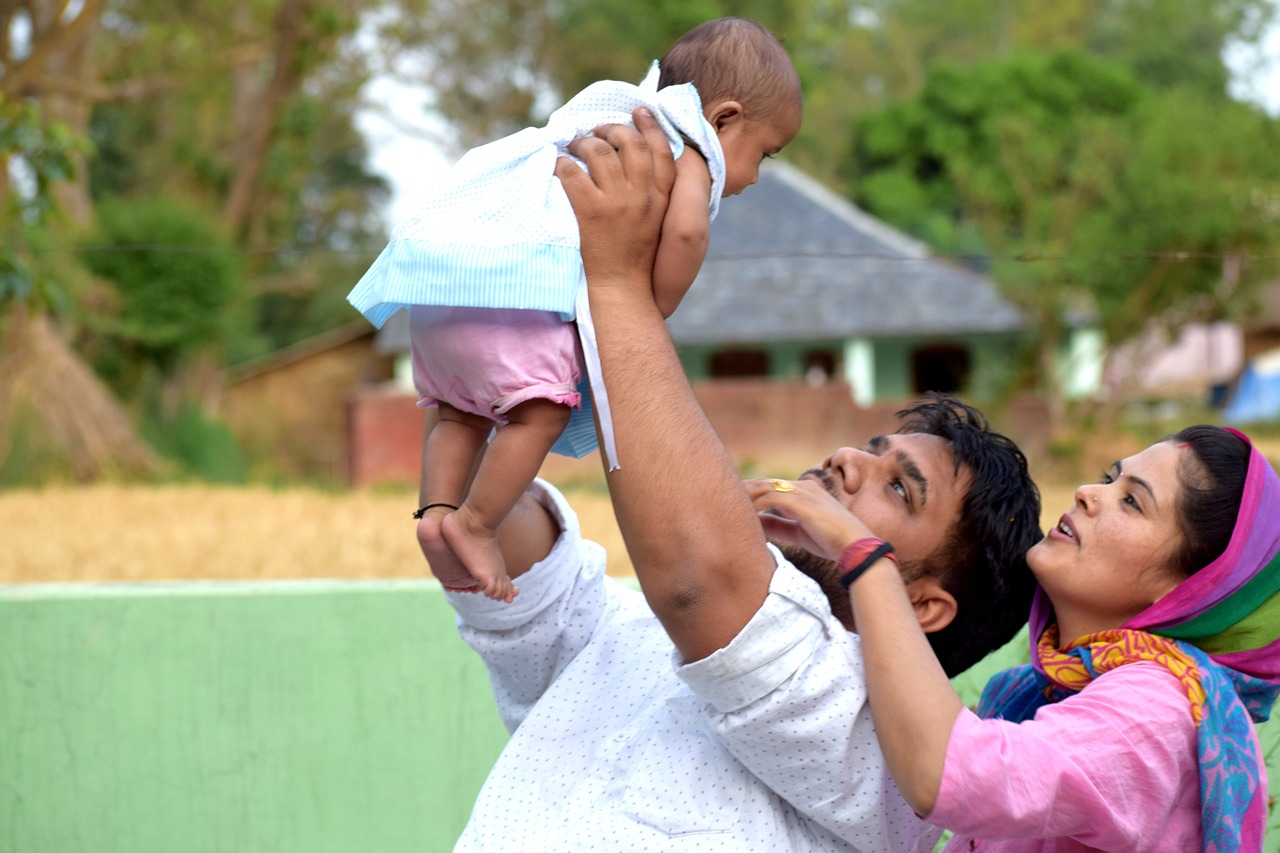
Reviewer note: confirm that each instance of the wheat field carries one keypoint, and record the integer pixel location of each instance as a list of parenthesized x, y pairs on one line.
[(120, 533), (116, 533)]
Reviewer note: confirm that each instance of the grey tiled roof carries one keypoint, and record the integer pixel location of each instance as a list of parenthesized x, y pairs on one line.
[(791, 261)]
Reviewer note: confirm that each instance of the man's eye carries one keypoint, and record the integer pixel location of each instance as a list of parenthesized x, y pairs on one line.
[(901, 488)]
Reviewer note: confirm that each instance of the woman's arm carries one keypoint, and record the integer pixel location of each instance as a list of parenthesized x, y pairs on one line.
[(912, 702), (686, 231)]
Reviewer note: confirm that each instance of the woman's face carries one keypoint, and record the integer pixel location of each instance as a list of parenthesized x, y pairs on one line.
[(1107, 559)]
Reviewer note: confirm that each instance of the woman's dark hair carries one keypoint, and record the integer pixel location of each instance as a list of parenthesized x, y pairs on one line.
[(1212, 478)]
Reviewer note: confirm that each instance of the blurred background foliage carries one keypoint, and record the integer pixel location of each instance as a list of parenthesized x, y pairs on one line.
[(186, 185)]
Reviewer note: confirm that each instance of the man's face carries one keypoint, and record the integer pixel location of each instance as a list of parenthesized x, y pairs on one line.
[(903, 487)]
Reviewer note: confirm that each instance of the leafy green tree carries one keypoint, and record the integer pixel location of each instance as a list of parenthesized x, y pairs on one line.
[(56, 418), (489, 67), (44, 157), (244, 110), (178, 285), (1081, 189)]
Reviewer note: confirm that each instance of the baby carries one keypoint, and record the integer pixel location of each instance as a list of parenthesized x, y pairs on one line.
[(499, 320)]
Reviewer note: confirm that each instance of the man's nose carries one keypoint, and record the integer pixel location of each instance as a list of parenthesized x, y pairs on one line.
[(849, 466)]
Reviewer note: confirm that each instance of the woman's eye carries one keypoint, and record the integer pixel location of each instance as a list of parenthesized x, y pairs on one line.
[(1107, 478)]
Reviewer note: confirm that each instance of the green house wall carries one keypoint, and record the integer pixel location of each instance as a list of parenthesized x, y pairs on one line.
[(878, 369)]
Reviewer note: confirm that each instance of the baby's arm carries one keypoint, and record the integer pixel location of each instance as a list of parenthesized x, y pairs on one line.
[(685, 232)]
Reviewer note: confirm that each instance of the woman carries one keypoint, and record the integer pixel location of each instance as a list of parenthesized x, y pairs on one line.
[(1155, 638)]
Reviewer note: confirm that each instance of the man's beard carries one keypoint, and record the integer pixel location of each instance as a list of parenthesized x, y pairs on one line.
[(823, 571)]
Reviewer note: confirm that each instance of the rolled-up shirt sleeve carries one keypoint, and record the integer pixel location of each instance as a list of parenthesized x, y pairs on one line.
[(1113, 767), (787, 697), (527, 643)]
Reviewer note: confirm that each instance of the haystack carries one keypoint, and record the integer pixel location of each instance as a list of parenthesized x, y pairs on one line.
[(56, 408)]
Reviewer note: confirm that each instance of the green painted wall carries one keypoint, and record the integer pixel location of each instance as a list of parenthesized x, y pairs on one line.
[(880, 369), (302, 717), (238, 718)]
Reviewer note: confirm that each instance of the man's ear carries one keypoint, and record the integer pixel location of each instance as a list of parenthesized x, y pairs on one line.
[(724, 114), (935, 607)]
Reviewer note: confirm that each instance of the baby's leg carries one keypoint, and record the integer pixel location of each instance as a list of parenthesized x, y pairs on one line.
[(449, 450), (508, 467)]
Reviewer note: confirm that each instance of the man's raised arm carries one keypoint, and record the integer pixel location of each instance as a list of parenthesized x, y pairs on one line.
[(692, 533)]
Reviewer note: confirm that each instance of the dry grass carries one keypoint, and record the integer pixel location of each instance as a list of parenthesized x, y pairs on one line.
[(114, 533), (111, 533), (131, 533)]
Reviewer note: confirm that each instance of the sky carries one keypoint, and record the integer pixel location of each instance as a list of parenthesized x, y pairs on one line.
[(408, 154)]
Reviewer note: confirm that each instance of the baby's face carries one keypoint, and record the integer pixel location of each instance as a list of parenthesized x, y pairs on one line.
[(746, 143)]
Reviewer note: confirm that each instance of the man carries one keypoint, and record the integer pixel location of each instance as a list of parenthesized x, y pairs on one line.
[(724, 708)]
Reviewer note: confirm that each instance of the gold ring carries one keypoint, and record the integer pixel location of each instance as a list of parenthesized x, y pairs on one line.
[(782, 485)]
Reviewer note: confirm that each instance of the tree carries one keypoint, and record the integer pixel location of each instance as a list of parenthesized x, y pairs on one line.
[(1080, 188), (249, 120), (54, 412), (179, 290), (493, 66), (47, 55)]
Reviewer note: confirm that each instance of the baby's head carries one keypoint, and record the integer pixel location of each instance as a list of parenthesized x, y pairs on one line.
[(750, 91)]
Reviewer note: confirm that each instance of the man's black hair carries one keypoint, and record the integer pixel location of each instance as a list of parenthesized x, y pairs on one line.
[(982, 561)]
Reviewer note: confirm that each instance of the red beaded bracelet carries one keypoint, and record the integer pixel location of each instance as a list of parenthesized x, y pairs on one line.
[(859, 556)]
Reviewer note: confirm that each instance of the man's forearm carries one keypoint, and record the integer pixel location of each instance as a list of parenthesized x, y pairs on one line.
[(693, 536)]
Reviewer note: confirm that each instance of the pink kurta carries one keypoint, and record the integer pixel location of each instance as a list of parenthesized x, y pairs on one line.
[(1113, 767)]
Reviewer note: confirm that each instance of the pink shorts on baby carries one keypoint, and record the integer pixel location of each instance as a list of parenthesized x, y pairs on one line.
[(486, 360)]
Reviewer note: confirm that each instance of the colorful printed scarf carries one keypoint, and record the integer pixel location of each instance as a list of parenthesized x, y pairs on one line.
[(1218, 632)]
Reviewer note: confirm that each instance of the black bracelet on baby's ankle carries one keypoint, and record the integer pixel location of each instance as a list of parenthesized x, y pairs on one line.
[(422, 510)]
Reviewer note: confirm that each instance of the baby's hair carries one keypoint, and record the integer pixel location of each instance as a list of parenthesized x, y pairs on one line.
[(734, 59)]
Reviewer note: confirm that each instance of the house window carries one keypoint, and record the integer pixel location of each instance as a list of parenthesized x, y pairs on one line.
[(942, 367), (739, 362), (819, 366)]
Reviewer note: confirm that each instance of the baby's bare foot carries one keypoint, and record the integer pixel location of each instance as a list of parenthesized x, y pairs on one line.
[(445, 565), (477, 547)]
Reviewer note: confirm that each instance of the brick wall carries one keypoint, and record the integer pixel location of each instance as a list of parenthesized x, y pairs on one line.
[(768, 426), (384, 434)]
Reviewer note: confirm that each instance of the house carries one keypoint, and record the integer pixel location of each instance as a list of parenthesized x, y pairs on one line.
[(1231, 365), (1254, 395), (810, 321), (1188, 362), (291, 406), (800, 283)]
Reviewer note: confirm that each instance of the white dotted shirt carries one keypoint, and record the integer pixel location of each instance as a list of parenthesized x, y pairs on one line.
[(765, 745)]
